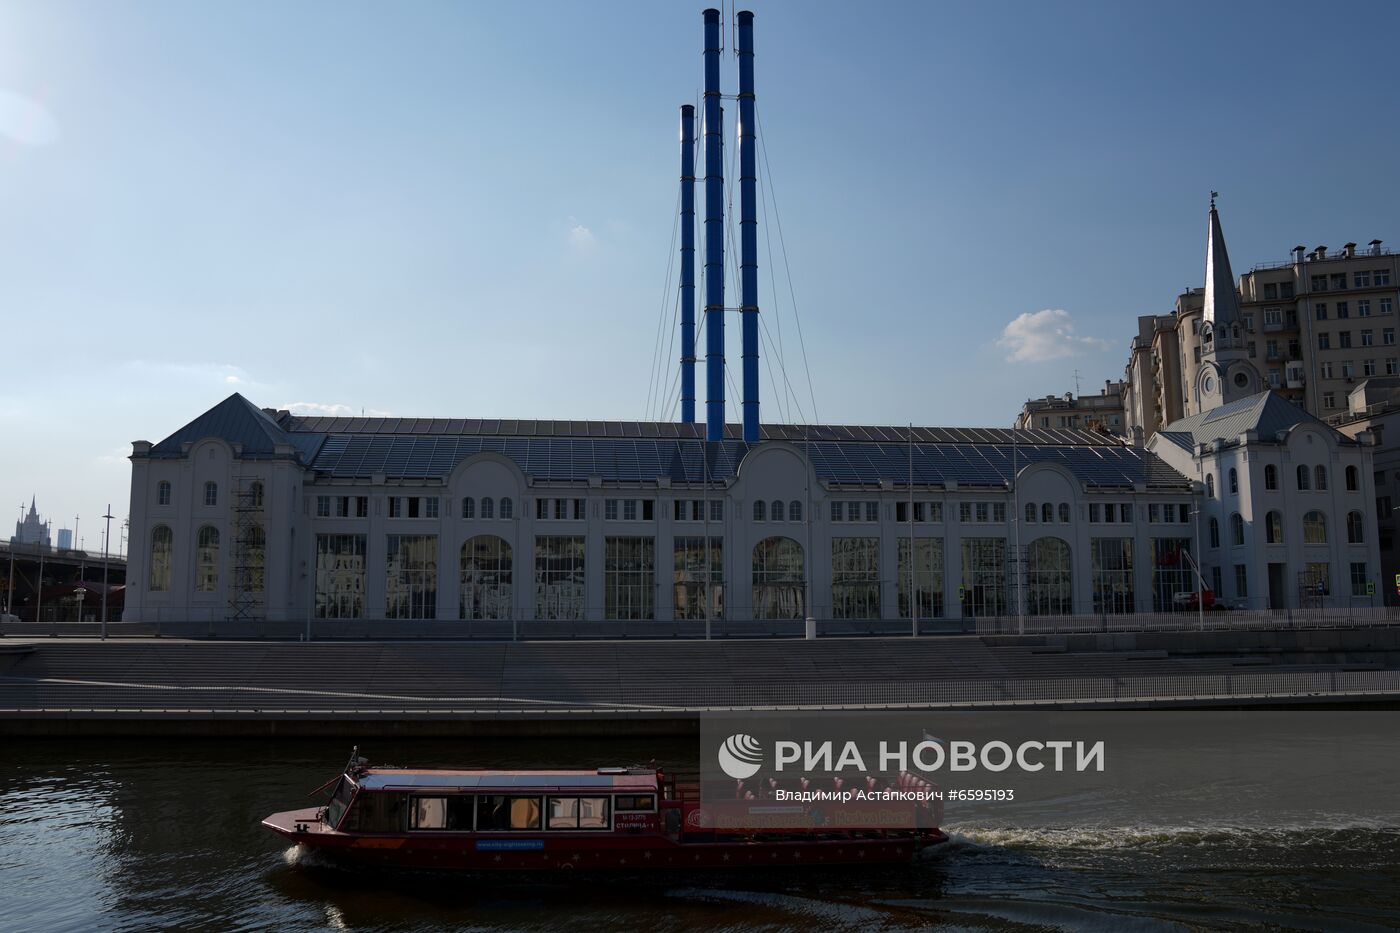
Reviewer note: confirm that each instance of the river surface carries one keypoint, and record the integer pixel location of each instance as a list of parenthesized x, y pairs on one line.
[(146, 834)]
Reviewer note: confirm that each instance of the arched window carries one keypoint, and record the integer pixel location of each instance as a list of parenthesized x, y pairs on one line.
[(1049, 579), (468, 507), (1303, 477), (1064, 513), (795, 511), (487, 591), (1234, 481), (1273, 528), (759, 509), (253, 572), (779, 581), (1270, 476), (1210, 485), (162, 544), (776, 510), (488, 507), (1047, 513), (1321, 476), (1236, 530), (1314, 528), (1214, 533), (206, 560), (1030, 512), (1353, 479), (163, 492), (1355, 532), (211, 494), (507, 507)]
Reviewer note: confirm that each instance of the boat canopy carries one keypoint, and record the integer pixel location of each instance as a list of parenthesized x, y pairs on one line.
[(395, 779)]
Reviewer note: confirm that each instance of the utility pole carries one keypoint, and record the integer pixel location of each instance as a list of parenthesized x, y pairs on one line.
[(106, 540)]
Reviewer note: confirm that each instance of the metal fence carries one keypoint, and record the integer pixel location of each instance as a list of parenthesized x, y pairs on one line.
[(21, 696), (176, 624)]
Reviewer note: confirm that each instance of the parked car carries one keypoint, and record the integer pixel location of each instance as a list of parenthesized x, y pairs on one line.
[(1187, 599)]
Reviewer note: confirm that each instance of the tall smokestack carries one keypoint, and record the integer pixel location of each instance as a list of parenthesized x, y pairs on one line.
[(688, 264), (748, 226), (714, 235)]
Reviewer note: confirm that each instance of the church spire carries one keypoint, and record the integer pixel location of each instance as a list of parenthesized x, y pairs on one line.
[(1222, 305)]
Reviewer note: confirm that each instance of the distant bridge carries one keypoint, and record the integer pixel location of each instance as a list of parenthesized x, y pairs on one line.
[(33, 568)]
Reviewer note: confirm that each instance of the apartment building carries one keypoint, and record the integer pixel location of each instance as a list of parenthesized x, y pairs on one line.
[(1103, 412)]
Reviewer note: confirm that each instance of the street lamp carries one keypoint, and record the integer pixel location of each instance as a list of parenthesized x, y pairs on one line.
[(106, 538)]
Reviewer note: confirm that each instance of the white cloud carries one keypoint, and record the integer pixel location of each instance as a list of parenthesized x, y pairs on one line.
[(580, 237), (217, 373), (333, 410), (26, 121), (1042, 335)]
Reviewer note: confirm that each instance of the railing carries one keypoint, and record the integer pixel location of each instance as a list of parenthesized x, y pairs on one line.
[(1346, 612), (1190, 620), (235, 700)]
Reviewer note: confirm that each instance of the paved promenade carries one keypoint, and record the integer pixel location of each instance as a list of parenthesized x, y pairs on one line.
[(149, 680)]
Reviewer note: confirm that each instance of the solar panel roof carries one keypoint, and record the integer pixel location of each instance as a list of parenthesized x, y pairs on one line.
[(642, 460)]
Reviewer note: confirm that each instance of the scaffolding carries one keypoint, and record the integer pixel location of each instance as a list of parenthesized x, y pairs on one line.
[(246, 602)]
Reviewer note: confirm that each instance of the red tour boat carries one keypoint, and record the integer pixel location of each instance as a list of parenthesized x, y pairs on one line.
[(608, 818)]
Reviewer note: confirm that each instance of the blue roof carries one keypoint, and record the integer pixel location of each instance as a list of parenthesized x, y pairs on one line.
[(645, 452), (646, 460), (238, 421)]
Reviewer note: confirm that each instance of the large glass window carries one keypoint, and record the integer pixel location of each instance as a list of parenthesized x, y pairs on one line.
[(779, 579), (252, 569), (500, 813), (410, 577), (984, 576), (162, 545), (1273, 528), (1049, 578), (577, 813), (928, 577), (487, 591), (855, 578), (559, 577), (206, 560), (690, 580), (1171, 571), (340, 576), (1113, 575), (1359, 579), (629, 578)]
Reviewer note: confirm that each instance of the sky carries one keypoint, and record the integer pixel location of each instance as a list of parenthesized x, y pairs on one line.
[(467, 209)]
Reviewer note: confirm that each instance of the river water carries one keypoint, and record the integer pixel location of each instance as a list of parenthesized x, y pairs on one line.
[(163, 834)]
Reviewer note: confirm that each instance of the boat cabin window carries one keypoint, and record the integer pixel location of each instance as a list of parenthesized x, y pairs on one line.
[(498, 813), (640, 803), (440, 813), (376, 812), (344, 791), (578, 813)]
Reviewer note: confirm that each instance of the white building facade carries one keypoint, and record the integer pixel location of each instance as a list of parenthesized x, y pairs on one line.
[(247, 513)]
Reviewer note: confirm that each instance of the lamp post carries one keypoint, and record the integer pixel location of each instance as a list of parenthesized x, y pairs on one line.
[(78, 594), (106, 538)]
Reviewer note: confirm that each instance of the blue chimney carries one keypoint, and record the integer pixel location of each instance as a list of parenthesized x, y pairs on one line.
[(714, 235), (688, 264), (748, 227)]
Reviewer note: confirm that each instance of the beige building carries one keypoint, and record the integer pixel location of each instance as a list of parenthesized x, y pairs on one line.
[(1373, 407), (1102, 412), (1310, 328)]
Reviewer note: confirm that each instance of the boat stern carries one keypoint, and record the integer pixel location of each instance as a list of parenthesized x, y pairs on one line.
[(298, 825)]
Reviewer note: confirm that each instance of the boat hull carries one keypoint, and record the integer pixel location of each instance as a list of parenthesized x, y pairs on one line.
[(585, 851)]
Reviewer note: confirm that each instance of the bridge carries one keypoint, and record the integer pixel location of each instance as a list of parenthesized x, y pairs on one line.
[(27, 570)]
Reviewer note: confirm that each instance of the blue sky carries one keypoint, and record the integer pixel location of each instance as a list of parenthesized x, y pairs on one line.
[(466, 208)]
